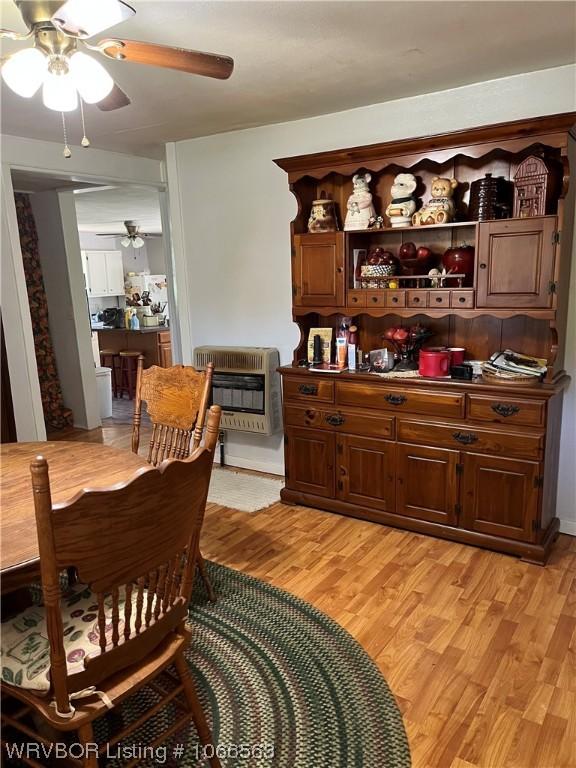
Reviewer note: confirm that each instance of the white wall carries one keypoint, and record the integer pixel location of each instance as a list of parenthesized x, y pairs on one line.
[(231, 209), (45, 157), (59, 249)]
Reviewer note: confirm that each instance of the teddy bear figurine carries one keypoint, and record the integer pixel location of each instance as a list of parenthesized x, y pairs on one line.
[(440, 208), (403, 203), (359, 207)]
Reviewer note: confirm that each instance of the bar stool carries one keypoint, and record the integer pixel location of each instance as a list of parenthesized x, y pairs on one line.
[(128, 371), (109, 358)]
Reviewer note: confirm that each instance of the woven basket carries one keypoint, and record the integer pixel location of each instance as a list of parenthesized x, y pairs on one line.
[(514, 379)]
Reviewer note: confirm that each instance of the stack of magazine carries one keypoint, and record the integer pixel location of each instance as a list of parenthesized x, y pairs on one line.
[(516, 363)]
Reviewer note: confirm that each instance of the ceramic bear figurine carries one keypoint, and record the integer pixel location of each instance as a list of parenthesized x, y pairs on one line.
[(403, 203), (360, 208), (440, 208)]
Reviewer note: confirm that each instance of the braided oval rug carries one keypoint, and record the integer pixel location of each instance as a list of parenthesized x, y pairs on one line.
[(284, 686)]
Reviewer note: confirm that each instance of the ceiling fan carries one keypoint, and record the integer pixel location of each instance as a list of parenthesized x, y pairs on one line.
[(132, 236), (58, 64)]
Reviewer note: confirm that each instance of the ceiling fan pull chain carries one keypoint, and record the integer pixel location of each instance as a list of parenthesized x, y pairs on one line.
[(67, 150), (85, 140)]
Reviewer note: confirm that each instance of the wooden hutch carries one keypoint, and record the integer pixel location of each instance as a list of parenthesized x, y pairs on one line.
[(468, 461)]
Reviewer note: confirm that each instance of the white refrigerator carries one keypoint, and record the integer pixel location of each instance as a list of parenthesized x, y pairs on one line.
[(154, 284)]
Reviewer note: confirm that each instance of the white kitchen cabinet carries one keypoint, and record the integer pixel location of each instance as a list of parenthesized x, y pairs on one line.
[(104, 273)]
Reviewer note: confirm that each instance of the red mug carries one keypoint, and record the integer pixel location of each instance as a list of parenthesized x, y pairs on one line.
[(456, 355), (434, 363)]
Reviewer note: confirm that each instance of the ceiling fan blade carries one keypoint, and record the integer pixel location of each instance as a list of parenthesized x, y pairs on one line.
[(110, 234), (86, 18), (116, 99), (193, 62)]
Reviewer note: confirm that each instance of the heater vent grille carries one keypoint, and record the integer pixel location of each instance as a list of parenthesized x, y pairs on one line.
[(246, 385)]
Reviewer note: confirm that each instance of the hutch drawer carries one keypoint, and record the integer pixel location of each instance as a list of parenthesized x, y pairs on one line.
[(395, 298), (356, 298), (374, 299), (439, 299), (417, 401), (506, 410), (526, 445), (309, 390), (462, 299), (340, 421), (416, 298)]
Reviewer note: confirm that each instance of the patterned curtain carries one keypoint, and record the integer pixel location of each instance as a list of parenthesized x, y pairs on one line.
[(56, 415)]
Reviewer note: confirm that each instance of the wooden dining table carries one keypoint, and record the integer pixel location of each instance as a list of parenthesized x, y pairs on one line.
[(72, 466)]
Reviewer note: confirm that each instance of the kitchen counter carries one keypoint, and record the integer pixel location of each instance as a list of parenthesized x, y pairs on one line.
[(156, 329), (154, 343)]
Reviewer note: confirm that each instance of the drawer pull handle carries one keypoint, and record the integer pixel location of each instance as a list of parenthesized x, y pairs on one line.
[(439, 299), (308, 389), (335, 419), (482, 266), (505, 410), (395, 299), (466, 438), (461, 299), (395, 399), (416, 300), (374, 299)]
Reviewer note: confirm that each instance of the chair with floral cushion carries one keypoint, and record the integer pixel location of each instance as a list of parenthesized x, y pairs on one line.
[(124, 623), (176, 401)]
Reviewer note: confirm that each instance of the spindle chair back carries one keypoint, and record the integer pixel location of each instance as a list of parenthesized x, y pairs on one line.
[(134, 547), (176, 401)]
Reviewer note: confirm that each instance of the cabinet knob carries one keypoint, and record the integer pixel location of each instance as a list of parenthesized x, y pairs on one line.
[(439, 299), (355, 299), (461, 299), (395, 299), (308, 389), (335, 419), (374, 299), (416, 300), (339, 269), (482, 266)]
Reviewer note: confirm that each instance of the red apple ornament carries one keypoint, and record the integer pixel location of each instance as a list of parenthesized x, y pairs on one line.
[(423, 253), (407, 251), (401, 334)]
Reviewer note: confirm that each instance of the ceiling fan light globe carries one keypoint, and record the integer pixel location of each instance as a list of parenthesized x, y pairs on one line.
[(90, 78), (86, 18), (137, 242), (24, 72), (59, 93), (125, 242)]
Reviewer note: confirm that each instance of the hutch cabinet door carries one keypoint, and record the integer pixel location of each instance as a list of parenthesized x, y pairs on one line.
[(319, 270), (366, 472), (500, 496), (310, 461), (516, 263), (427, 483)]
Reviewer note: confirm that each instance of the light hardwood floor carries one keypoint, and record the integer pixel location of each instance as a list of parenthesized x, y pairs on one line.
[(478, 648)]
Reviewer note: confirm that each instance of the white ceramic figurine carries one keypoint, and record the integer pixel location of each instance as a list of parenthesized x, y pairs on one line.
[(360, 208), (403, 203)]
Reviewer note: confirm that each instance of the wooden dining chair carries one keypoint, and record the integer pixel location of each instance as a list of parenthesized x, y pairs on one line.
[(124, 623), (176, 401)]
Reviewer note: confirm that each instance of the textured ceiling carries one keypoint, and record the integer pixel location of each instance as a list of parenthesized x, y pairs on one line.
[(105, 210), (99, 208), (298, 59)]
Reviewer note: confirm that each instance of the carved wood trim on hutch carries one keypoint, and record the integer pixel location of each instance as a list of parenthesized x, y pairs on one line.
[(467, 461)]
